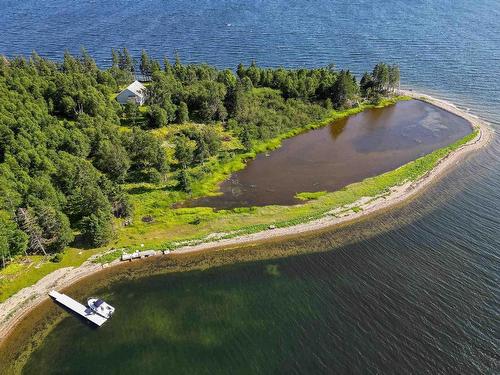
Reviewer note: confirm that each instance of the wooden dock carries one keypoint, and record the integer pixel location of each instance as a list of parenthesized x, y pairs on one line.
[(78, 308)]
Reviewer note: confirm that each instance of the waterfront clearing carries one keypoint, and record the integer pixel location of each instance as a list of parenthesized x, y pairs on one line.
[(406, 182)]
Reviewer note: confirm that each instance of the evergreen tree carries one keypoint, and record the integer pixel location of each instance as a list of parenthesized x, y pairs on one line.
[(167, 66), (30, 226), (202, 151), (87, 61), (115, 58), (253, 72), (393, 77), (145, 65), (246, 84), (241, 71), (112, 159), (155, 66), (246, 138), (381, 77), (178, 68), (55, 228), (184, 151), (170, 111), (70, 64), (126, 62), (13, 241), (147, 156), (328, 104), (156, 117), (182, 113), (366, 85), (344, 90), (97, 229), (131, 111), (184, 183)]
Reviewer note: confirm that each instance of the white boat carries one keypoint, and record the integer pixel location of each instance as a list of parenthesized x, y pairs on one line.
[(100, 307)]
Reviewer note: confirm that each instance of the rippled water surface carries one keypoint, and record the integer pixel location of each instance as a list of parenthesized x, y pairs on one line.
[(413, 290)]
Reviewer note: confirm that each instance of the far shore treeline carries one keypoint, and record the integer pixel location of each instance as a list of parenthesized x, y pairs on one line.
[(67, 148)]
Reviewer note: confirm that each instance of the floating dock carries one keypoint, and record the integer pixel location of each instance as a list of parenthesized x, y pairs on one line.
[(78, 308)]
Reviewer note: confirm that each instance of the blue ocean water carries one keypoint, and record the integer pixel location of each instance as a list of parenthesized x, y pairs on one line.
[(448, 46), (421, 297)]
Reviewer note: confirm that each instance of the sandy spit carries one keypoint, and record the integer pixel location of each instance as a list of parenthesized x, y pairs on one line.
[(17, 306)]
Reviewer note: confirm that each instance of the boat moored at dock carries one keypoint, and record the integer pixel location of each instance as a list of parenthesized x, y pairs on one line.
[(93, 314), (100, 307)]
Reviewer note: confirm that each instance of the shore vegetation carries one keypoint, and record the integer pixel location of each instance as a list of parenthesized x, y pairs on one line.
[(80, 173), (73, 161)]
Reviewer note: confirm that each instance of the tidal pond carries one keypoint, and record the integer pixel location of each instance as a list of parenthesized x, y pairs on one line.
[(349, 150)]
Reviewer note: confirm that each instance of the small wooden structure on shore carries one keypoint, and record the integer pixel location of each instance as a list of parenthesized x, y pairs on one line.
[(138, 255), (77, 307)]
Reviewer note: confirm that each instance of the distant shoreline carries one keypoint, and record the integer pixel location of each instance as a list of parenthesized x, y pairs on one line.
[(19, 305)]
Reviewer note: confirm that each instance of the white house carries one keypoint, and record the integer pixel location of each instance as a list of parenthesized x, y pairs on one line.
[(136, 92)]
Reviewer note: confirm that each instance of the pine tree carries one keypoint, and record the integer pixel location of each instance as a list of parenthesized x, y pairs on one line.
[(345, 89), (29, 225), (87, 61), (366, 85), (184, 181), (240, 71), (13, 241), (253, 72), (145, 65), (182, 113), (70, 64), (167, 66), (126, 61), (115, 58), (246, 138), (178, 68), (381, 77), (393, 77), (97, 229)]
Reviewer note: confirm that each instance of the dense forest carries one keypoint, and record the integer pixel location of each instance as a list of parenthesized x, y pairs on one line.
[(67, 147)]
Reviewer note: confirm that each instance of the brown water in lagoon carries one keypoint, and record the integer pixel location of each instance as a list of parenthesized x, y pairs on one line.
[(327, 159)]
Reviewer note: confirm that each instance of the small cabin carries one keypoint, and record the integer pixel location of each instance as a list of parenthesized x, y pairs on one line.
[(135, 92)]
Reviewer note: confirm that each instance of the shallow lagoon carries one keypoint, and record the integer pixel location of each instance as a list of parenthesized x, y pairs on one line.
[(349, 150)]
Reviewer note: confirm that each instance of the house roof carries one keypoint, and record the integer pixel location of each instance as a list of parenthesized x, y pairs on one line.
[(137, 88)]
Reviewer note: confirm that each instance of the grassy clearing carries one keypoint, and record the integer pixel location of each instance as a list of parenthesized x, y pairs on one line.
[(307, 196), (109, 256), (26, 271)]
